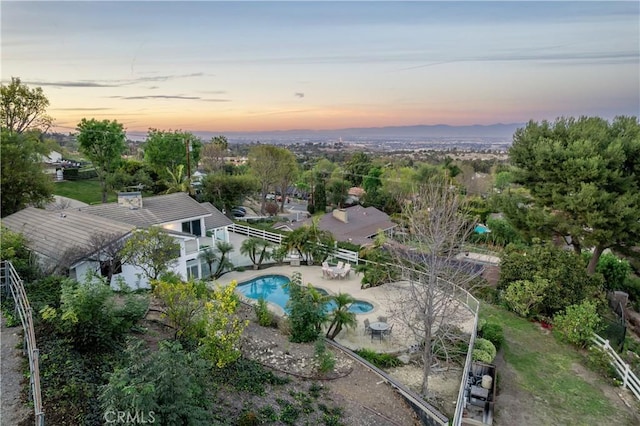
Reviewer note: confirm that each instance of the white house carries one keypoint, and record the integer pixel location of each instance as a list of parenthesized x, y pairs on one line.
[(57, 236)]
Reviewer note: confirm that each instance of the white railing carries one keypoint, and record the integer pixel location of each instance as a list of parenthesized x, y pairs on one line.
[(348, 255), (256, 233), (9, 277), (629, 379), (344, 254)]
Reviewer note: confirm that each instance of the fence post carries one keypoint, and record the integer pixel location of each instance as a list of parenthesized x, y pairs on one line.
[(625, 380)]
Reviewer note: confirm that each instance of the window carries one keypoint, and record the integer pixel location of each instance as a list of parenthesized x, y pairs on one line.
[(104, 267), (192, 227), (192, 269)]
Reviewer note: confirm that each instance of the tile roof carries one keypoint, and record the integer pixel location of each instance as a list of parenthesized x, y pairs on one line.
[(155, 210), (363, 222), (52, 233), (217, 219)]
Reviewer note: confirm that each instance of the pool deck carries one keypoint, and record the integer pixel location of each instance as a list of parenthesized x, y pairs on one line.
[(400, 339)]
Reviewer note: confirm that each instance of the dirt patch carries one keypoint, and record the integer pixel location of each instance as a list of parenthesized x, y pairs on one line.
[(364, 397), (13, 410)]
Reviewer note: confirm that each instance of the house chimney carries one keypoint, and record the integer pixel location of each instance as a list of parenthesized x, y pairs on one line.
[(341, 215), (132, 200)]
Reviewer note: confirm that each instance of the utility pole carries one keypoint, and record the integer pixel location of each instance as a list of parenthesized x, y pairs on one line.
[(186, 144)]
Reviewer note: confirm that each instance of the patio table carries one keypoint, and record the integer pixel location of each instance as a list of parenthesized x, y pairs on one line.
[(378, 328)]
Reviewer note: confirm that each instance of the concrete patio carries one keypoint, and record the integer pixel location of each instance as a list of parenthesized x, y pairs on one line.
[(400, 339)]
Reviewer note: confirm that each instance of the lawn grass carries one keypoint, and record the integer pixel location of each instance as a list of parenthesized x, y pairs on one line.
[(85, 190), (545, 369)]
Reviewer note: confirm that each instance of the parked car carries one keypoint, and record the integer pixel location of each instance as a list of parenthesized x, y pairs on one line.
[(238, 213), (242, 209)]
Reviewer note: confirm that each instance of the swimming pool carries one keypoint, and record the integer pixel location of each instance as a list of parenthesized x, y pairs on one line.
[(272, 289), (481, 229)]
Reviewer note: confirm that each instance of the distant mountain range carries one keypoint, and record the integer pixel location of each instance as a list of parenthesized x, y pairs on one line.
[(419, 131)]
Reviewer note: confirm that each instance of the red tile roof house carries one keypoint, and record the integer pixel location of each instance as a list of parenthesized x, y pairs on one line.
[(53, 235), (357, 224)]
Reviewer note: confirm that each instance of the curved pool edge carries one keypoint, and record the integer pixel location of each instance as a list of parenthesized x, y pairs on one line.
[(279, 310)]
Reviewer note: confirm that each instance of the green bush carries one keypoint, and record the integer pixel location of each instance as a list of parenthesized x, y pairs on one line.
[(90, 315), (482, 356), (566, 273), (614, 270), (306, 311), (494, 333), (525, 297), (379, 360), (577, 323), (600, 362), (265, 317), (485, 345), (245, 375), (324, 358), (169, 381)]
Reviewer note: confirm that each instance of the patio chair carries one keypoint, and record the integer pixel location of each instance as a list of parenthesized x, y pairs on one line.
[(367, 329), (388, 331), (340, 265), (345, 271), (382, 319)]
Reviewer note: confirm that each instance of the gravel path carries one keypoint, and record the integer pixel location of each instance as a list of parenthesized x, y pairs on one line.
[(12, 410)]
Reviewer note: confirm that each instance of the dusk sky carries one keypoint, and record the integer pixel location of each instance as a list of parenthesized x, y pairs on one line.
[(249, 66)]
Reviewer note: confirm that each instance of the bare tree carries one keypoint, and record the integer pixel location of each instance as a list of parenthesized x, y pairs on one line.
[(427, 300), (106, 249)]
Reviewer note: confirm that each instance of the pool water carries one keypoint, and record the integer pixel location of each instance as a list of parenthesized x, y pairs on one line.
[(272, 289), (481, 229)]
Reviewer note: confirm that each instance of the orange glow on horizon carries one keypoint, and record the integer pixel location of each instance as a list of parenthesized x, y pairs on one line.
[(314, 119)]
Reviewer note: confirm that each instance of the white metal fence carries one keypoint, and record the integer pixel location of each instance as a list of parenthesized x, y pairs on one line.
[(9, 279), (339, 253), (629, 379), (256, 233)]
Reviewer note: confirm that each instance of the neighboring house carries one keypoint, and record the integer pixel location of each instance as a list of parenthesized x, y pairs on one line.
[(61, 239), (357, 225), (53, 157), (182, 217)]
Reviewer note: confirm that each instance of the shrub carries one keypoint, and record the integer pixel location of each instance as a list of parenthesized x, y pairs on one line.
[(494, 333), (90, 316), (525, 297), (599, 361), (485, 345), (179, 395), (482, 356), (306, 311), (615, 271), (565, 272), (265, 317), (324, 358), (248, 418), (379, 360), (577, 323)]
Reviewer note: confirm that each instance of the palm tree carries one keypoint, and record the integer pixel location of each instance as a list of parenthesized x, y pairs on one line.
[(224, 263), (341, 316), (178, 181), (252, 246), (312, 243), (318, 300), (210, 257)]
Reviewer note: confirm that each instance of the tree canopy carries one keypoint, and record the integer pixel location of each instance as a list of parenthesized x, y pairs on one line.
[(22, 108), (271, 166), (103, 142), (583, 178), (168, 149), (152, 250), (22, 179)]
